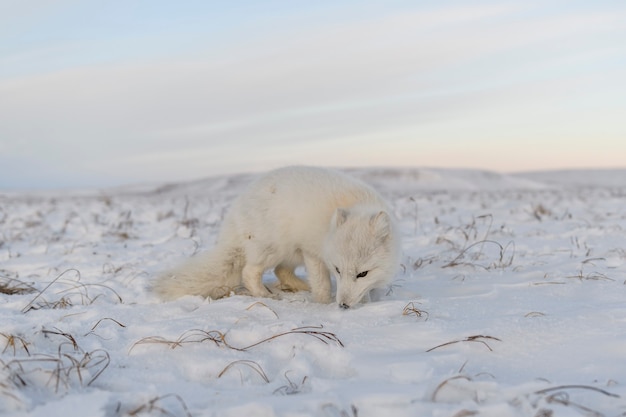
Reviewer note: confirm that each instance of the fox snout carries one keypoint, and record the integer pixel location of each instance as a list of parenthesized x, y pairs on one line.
[(347, 299)]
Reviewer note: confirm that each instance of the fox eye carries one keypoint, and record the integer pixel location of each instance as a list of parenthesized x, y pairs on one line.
[(337, 269), (362, 274)]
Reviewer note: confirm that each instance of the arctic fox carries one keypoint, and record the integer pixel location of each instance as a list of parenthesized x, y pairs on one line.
[(316, 217)]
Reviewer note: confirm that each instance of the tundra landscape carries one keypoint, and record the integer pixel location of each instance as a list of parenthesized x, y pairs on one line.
[(509, 301)]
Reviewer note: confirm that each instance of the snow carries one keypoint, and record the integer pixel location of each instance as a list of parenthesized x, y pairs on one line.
[(510, 302)]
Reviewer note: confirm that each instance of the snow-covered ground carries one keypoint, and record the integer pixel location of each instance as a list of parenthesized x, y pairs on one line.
[(510, 301)]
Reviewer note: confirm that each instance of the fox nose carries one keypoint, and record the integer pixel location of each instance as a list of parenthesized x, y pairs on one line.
[(344, 306)]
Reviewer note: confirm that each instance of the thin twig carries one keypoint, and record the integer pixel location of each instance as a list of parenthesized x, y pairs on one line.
[(587, 387), (468, 339)]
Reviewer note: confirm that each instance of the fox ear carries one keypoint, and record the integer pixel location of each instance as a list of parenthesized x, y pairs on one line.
[(339, 217), (380, 224)]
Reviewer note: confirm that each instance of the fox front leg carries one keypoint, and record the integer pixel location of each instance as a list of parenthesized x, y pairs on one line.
[(319, 279)]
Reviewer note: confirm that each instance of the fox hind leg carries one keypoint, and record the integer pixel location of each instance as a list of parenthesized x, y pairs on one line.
[(288, 279), (252, 276)]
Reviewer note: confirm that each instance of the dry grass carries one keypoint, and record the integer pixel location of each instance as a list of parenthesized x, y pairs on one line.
[(7, 390), (219, 338), (248, 363), (62, 370), (504, 258), (68, 367), (474, 339), (189, 336), (591, 276), (445, 383), (314, 331), (583, 387), (190, 223), (260, 304), (541, 402), (92, 331)]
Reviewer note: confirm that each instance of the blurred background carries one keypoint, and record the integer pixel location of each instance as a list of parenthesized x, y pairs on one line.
[(96, 94)]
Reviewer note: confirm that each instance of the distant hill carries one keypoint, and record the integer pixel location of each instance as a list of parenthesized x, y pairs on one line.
[(389, 180)]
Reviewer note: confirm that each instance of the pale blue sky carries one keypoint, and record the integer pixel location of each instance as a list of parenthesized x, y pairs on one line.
[(116, 92)]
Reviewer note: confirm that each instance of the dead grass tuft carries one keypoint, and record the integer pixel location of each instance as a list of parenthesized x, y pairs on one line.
[(7, 391), (591, 276), (73, 292), (292, 388), (410, 309), (123, 230), (504, 258), (251, 364), (62, 369), (465, 413), (445, 383), (475, 248), (423, 261), (535, 314), (336, 411), (539, 401), (15, 342), (540, 211), (260, 304), (156, 406), (560, 395), (14, 286)]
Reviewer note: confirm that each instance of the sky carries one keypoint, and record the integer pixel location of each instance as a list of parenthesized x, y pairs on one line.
[(96, 94)]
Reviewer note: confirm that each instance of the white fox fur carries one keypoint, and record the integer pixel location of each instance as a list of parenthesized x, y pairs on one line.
[(316, 217)]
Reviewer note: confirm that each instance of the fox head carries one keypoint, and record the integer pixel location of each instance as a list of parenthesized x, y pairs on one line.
[(361, 252)]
